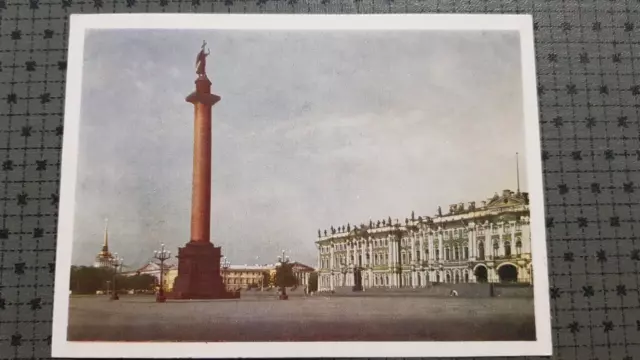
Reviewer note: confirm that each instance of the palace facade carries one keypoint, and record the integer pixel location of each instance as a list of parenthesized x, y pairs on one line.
[(486, 243)]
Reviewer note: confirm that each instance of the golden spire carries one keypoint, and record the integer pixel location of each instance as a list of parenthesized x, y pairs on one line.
[(105, 246)]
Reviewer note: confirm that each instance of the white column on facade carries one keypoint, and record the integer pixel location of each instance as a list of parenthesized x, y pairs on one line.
[(423, 256), (370, 262), (413, 239), (392, 256), (501, 232), (370, 246), (414, 273), (331, 267), (397, 246), (473, 251), (390, 262), (440, 246), (470, 240), (513, 240), (363, 256)]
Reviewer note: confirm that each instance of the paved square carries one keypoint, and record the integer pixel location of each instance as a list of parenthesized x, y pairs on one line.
[(318, 318)]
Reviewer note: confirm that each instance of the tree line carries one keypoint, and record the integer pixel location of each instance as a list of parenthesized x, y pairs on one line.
[(89, 280)]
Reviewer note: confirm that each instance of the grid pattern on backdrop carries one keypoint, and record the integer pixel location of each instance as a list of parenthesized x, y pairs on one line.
[(588, 64)]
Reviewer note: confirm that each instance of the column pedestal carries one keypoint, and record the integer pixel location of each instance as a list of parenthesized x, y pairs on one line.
[(199, 273)]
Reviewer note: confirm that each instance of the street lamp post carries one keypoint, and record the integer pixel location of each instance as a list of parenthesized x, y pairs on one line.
[(116, 262), (161, 255), (283, 262), (225, 266)]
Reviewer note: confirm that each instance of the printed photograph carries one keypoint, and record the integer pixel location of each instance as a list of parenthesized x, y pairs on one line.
[(301, 184)]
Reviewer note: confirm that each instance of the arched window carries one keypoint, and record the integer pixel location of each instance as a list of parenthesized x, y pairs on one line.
[(480, 250), (519, 248), (507, 248), (418, 255), (466, 252), (437, 254), (446, 253), (456, 253), (495, 248)]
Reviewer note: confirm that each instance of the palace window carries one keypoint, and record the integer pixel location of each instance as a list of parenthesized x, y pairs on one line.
[(507, 248), (495, 248), (456, 253), (417, 255), (481, 251), (447, 254), (519, 248), (437, 254), (466, 252)]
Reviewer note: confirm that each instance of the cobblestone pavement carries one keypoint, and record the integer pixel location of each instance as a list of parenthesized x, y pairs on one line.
[(139, 318)]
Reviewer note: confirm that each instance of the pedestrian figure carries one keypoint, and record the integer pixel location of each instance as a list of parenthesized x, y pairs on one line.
[(453, 293)]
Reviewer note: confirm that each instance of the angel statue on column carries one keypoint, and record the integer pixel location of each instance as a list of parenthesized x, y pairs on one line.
[(201, 60)]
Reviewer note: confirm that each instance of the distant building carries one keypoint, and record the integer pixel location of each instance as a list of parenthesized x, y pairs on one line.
[(154, 269), (104, 257), (302, 273), (169, 278), (486, 243), (238, 277)]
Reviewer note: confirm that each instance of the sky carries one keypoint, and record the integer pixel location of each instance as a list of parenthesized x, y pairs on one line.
[(314, 129)]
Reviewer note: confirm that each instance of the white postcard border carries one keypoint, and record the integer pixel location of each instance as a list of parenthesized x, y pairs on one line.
[(81, 23)]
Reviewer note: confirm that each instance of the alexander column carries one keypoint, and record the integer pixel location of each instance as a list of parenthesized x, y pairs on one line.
[(199, 261)]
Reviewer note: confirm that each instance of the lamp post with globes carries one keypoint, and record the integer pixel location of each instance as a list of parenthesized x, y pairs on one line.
[(161, 255), (116, 262), (225, 266), (282, 264)]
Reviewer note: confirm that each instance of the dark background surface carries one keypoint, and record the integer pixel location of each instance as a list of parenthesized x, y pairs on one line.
[(588, 56)]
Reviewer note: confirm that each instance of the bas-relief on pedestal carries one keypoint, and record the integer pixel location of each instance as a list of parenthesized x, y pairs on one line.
[(199, 260)]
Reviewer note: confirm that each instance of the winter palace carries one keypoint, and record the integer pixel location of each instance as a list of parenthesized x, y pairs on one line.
[(469, 243)]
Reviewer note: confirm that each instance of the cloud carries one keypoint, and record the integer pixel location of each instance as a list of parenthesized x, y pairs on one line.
[(313, 130)]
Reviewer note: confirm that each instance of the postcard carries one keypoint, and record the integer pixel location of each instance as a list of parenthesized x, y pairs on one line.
[(260, 186)]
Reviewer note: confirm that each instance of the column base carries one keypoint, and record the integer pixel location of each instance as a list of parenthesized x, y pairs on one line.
[(199, 273)]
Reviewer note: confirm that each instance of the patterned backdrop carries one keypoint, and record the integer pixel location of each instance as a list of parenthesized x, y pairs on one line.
[(588, 64)]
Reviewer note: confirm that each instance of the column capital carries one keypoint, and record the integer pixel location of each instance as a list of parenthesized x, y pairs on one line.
[(203, 98)]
